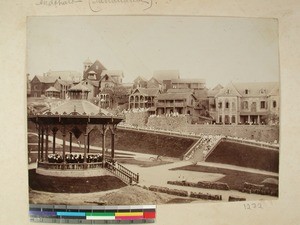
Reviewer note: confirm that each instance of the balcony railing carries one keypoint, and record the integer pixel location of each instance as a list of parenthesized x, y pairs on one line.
[(69, 166), (176, 104)]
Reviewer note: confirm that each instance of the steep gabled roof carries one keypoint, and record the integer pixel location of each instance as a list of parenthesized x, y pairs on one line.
[(68, 75), (112, 73), (162, 75), (109, 78), (147, 91), (64, 82), (53, 89), (229, 90), (97, 67), (154, 79), (255, 88), (275, 90), (46, 79), (214, 91), (79, 87), (140, 78)]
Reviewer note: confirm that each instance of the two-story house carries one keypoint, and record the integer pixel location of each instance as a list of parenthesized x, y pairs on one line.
[(176, 102), (247, 103), (143, 98)]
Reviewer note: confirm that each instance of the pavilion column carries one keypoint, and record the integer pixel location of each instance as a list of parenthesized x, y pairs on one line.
[(88, 143), (248, 118), (39, 144), (42, 145), (47, 144), (112, 146), (85, 147), (64, 146), (103, 147), (258, 119), (53, 146), (70, 142)]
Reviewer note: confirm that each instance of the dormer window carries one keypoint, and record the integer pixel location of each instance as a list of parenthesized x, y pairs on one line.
[(246, 91), (262, 91), (227, 91)]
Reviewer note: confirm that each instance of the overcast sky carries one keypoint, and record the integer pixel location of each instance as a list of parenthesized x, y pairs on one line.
[(216, 49)]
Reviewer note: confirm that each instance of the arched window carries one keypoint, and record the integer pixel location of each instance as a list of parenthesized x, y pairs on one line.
[(274, 104), (245, 105), (227, 105), (220, 105)]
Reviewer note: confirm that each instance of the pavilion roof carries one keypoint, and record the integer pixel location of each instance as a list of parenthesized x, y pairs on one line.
[(82, 107)]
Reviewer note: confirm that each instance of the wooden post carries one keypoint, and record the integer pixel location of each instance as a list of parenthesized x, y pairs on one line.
[(42, 145), (85, 148), (70, 142), (103, 147), (88, 143), (47, 144), (53, 146), (39, 144), (64, 147), (112, 146)]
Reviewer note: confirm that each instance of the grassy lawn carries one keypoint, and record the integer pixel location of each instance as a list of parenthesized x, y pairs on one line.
[(245, 156), (73, 184), (235, 179), (134, 141), (142, 163)]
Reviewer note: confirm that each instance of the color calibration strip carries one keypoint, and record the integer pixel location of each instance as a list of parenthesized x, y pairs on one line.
[(92, 214)]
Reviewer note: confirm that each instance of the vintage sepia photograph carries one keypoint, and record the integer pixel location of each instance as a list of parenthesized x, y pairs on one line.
[(139, 110)]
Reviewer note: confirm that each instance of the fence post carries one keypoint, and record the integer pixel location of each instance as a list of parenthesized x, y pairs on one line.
[(130, 180), (137, 177)]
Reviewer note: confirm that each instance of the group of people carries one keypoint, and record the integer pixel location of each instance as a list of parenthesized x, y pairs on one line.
[(74, 158)]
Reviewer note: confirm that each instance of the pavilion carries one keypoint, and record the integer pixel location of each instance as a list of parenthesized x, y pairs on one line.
[(73, 118)]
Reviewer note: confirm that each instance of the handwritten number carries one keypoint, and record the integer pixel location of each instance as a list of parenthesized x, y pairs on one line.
[(253, 206)]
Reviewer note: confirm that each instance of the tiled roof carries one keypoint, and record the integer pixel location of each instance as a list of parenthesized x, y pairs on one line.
[(53, 89), (148, 91), (79, 87), (112, 73), (64, 82), (275, 90), (187, 81), (229, 90), (65, 75), (214, 91), (180, 90), (79, 106), (254, 89), (110, 78), (171, 96), (162, 75), (140, 78), (46, 79)]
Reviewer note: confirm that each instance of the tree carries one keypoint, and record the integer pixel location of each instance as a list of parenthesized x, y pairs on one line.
[(271, 119), (117, 95)]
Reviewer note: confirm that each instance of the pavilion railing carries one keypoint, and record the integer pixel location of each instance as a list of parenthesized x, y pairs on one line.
[(122, 172), (69, 166)]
